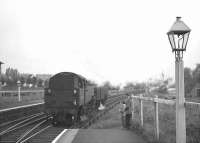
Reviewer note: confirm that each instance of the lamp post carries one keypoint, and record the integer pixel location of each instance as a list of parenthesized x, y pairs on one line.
[(19, 88), (178, 36)]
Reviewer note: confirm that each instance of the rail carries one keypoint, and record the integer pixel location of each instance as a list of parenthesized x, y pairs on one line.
[(155, 100), (32, 124)]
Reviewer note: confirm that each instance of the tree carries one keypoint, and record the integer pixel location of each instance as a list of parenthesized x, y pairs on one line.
[(107, 85), (29, 79), (188, 80), (12, 76), (34, 80), (136, 86), (46, 83), (22, 79), (117, 87), (3, 79), (196, 74), (129, 85), (40, 83), (91, 82)]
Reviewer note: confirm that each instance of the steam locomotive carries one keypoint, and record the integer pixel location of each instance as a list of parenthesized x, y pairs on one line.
[(69, 97)]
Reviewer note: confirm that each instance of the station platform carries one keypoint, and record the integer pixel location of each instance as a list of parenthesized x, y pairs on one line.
[(98, 136)]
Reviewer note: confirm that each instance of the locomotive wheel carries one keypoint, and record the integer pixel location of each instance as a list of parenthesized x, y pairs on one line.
[(68, 119), (54, 121), (79, 113)]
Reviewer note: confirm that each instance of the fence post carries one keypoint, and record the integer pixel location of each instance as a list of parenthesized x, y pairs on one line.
[(156, 117), (141, 111), (132, 100), (19, 88)]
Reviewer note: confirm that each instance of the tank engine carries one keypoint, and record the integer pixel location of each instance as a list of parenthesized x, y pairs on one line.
[(69, 97)]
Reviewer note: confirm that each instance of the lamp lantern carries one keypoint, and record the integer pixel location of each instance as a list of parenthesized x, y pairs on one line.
[(178, 37), (18, 83)]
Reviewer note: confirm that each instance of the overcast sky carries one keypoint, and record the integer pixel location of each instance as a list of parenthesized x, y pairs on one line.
[(115, 40)]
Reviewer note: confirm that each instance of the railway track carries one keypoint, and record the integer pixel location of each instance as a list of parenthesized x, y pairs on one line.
[(11, 124), (17, 130), (37, 128), (110, 103)]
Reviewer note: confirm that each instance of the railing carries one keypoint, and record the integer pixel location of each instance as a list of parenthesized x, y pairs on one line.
[(25, 91), (155, 101), (19, 92), (16, 97)]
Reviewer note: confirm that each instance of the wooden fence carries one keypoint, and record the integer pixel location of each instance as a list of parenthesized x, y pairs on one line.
[(155, 101)]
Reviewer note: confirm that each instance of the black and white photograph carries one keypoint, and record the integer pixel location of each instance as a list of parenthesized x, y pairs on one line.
[(99, 71)]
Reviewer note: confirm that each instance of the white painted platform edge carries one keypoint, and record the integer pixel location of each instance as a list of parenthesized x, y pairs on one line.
[(57, 138)]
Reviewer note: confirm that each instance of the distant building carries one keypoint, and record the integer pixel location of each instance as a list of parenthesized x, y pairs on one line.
[(196, 90), (43, 76)]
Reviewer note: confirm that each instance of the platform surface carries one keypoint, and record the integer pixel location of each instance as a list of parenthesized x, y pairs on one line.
[(100, 136)]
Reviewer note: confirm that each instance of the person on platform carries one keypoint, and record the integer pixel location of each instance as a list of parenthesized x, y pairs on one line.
[(128, 112), (122, 112)]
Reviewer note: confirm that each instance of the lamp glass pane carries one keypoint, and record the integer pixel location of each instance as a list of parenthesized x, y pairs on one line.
[(172, 41), (185, 40)]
